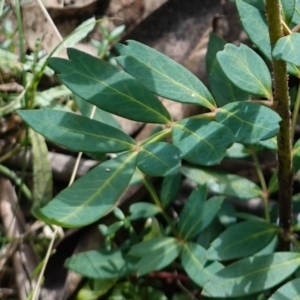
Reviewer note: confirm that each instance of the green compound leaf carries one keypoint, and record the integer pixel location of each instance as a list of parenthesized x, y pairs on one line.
[(155, 254), (93, 195), (287, 10), (250, 122), (224, 183), (241, 240), (195, 264), (162, 75), (201, 141), (287, 48), (159, 159), (76, 132), (109, 88), (223, 90), (246, 69), (197, 213), (252, 275), (290, 290), (101, 264), (143, 210), (170, 188)]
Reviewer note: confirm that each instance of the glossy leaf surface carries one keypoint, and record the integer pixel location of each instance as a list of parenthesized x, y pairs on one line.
[(162, 75), (250, 122), (143, 210), (223, 183), (197, 213), (290, 290), (201, 141), (92, 196), (195, 264), (246, 69), (76, 132), (287, 48), (101, 264), (252, 275), (171, 186), (159, 159), (108, 88), (241, 240), (155, 254), (223, 90)]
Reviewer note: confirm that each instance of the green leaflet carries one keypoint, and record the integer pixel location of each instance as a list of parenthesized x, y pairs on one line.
[(250, 122), (201, 141), (76, 132), (171, 186), (255, 24), (223, 90), (252, 275), (296, 156), (246, 69), (155, 254), (197, 213), (102, 264), (159, 159), (223, 183), (162, 75), (290, 290), (195, 264), (241, 240), (109, 88), (42, 172), (287, 48), (92, 196)]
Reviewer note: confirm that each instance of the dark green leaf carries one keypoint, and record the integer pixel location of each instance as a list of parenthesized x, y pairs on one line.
[(287, 48), (224, 183), (171, 186), (290, 290), (241, 240), (159, 159), (255, 24), (101, 264), (201, 141), (155, 254), (296, 15), (76, 132), (191, 211), (246, 69), (194, 263), (250, 122), (196, 215), (223, 90), (162, 75), (92, 196), (143, 210), (252, 275), (109, 88), (226, 214), (270, 143)]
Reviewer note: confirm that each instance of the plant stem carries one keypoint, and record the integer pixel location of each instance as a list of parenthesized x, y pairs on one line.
[(284, 138), (156, 200)]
